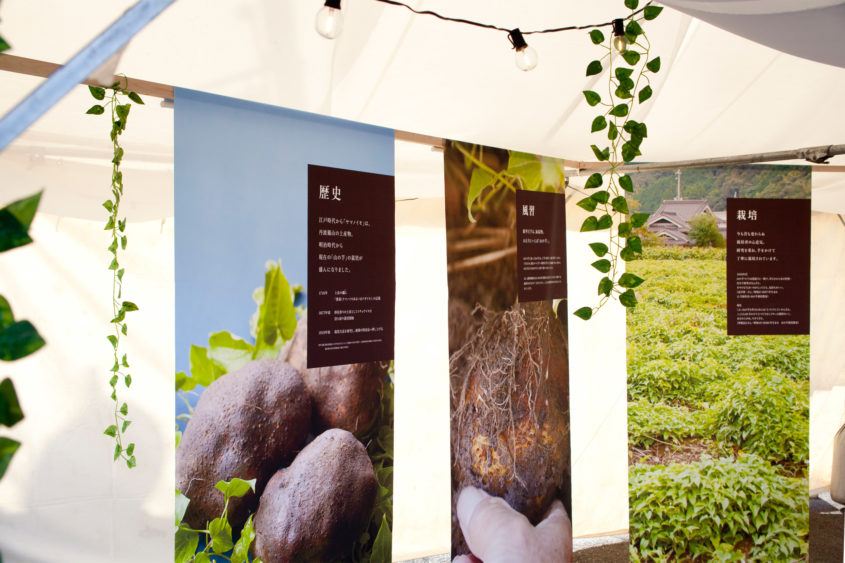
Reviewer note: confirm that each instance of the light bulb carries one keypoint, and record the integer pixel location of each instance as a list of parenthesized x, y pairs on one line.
[(526, 58), (329, 22), (620, 41)]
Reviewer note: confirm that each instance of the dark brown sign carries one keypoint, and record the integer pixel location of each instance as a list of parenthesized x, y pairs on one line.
[(351, 266), (541, 245), (768, 266)]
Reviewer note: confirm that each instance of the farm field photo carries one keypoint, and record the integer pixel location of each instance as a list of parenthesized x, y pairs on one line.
[(717, 424)]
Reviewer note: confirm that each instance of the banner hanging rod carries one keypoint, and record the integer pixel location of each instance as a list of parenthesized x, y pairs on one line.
[(818, 155)]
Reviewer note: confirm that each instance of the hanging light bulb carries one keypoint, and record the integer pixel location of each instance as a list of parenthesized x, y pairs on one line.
[(329, 21), (620, 41), (526, 57)]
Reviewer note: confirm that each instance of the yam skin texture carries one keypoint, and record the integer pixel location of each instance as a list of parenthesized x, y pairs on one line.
[(315, 509), (246, 424), (510, 417), (343, 396)]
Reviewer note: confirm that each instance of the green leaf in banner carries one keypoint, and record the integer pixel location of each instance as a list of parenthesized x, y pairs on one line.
[(594, 181), (240, 554), (627, 254), (186, 546), (203, 370), (183, 382), (96, 109), (631, 4), (10, 408), (235, 488), (592, 97), (620, 204), (624, 229), (383, 544), (591, 223), (8, 447), (635, 244), (599, 123), (594, 68), (645, 93), (602, 265), (12, 233), (276, 315), (652, 12), (600, 249), (588, 204), (136, 98), (628, 298), (228, 351), (620, 110), (202, 558), (479, 180), (24, 209), (181, 505), (6, 316), (626, 183), (602, 154), (597, 37), (605, 222), (584, 313), (221, 535), (605, 286), (527, 167), (654, 64), (630, 280), (631, 57), (18, 340), (601, 196), (638, 219), (98, 92)]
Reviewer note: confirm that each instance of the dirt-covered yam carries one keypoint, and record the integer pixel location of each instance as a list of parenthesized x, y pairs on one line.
[(344, 396), (246, 424), (315, 509)]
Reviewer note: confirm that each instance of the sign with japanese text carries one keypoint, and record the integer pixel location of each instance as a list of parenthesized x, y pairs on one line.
[(768, 266), (351, 266), (541, 245)]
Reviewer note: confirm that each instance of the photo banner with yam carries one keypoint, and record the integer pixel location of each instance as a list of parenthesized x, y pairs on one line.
[(279, 455), (508, 351)]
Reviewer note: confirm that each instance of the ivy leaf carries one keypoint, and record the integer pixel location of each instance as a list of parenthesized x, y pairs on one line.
[(600, 249), (129, 306), (636, 128), (623, 93), (6, 316), (130, 463), (605, 286), (602, 265), (479, 180), (635, 243), (645, 93), (597, 37), (4, 46), (612, 131), (599, 123), (601, 197), (631, 57), (638, 219), (124, 409), (588, 204), (633, 29), (126, 424), (123, 112), (117, 451), (630, 280), (10, 408), (620, 204), (131, 449), (627, 254), (631, 4), (592, 97), (136, 98), (654, 64), (591, 223), (8, 447), (626, 183), (601, 155), (18, 340), (97, 92), (594, 68), (96, 109), (622, 73), (221, 535), (620, 110), (24, 209), (235, 488), (111, 431), (624, 229), (651, 12), (628, 298), (594, 181), (605, 222), (630, 151), (584, 313)]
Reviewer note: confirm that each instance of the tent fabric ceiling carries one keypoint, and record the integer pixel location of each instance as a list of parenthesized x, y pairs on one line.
[(717, 93)]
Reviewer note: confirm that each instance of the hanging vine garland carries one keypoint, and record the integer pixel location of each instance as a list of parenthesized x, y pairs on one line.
[(117, 227), (628, 85)]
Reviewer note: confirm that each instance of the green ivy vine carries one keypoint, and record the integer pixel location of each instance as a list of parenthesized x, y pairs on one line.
[(117, 228), (628, 85)]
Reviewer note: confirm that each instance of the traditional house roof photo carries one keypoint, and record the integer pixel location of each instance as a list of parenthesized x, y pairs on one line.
[(671, 220)]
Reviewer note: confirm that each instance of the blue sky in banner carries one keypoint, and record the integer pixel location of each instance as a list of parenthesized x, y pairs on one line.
[(240, 200)]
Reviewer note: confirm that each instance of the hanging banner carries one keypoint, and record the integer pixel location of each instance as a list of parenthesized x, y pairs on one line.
[(284, 443), (509, 367), (718, 420)]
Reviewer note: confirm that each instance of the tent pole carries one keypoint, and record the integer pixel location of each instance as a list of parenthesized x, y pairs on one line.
[(77, 69)]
